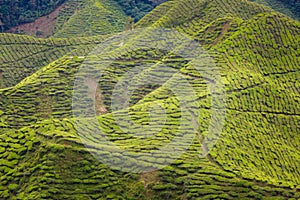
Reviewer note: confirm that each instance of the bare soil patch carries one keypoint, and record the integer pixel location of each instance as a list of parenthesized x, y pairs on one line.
[(223, 32), (41, 27)]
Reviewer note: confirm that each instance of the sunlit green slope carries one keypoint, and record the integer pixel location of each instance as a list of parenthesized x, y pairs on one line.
[(72, 18), (21, 56), (90, 17), (256, 157)]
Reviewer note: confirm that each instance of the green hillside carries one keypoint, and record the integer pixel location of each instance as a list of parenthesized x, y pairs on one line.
[(21, 56), (91, 17), (69, 18), (255, 50), (73, 18)]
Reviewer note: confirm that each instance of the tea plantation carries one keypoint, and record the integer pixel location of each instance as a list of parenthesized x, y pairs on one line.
[(249, 49)]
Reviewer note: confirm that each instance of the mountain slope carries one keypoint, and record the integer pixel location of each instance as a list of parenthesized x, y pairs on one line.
[(21, 56), (76, 18), (256, 157), (93, 17), (69, 18)]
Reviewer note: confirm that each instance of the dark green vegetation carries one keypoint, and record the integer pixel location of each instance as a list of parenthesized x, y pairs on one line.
[(257, 157), (137, 8), (287, 7), (68, 18), (78, 18), (14, 12)]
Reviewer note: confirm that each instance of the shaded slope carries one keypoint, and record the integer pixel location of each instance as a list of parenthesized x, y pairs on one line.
[(41, 27), (287, 7), (13, 13)]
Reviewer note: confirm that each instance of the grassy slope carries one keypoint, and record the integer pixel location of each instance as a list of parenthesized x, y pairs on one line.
[(259, 59), (21, 56), (76, 18), (90, 17)]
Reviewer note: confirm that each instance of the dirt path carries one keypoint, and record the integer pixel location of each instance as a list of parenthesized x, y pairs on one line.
[(223, 32), (96, 95)]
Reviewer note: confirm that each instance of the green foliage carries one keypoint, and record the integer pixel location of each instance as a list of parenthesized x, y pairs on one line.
[(88, 18), (14, 12), (29, 54), (256, 50), (72, 17), (136, 8), (287, 7), (12, 186)]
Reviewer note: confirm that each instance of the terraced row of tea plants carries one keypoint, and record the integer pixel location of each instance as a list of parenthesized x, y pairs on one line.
[(89, 18), (257, 55), (72, 18), (47, 160), (21, 56)]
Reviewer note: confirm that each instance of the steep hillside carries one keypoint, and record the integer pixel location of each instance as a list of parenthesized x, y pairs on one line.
[(66, 18), (21, 56), (76, 18), (44, 154), (91, 17), (69, 18)]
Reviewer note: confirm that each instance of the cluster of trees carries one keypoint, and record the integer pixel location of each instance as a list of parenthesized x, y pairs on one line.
[(287, 7), (290, 2), (138, 8), (294, 5), (15, 12)]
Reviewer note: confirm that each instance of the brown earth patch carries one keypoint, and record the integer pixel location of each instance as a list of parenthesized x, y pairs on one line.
[(45, 106), (223, 32), (96, 95), (148, 179), (41, 27), (1, 80)]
